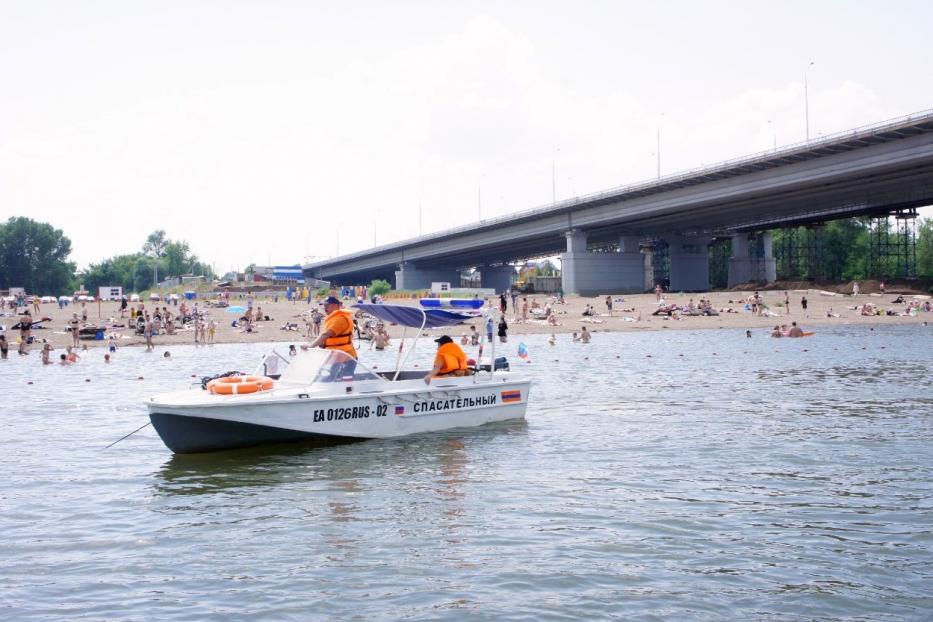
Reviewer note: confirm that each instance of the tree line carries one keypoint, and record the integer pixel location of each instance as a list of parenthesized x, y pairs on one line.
[(34, 256)]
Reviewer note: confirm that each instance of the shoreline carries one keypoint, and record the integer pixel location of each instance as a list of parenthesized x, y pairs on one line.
[(626, 311)]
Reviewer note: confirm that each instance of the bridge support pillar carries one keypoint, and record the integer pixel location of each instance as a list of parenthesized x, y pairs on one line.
[(590, 274), (636, 258), (752, 260), (689, 256), (769, 268), (411, 277), (499, 278)]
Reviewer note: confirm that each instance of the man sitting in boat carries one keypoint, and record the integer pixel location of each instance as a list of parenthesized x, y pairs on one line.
[(450, 360), (337, 334)]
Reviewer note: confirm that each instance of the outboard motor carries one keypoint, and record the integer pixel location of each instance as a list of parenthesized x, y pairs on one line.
[(502, 364)]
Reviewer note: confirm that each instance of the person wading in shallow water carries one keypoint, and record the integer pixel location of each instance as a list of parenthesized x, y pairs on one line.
[(503, 331)]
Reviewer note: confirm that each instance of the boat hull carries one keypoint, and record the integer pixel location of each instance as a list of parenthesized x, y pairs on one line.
[(187, 435), (192, 421)]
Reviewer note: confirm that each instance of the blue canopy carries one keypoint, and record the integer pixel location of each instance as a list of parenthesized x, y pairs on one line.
[(412, 316)]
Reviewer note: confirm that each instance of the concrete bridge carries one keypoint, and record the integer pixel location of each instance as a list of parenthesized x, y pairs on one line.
[(599, 237)]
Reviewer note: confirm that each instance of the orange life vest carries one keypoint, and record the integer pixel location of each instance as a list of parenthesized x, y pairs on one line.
[(340, 324), (452, 358)]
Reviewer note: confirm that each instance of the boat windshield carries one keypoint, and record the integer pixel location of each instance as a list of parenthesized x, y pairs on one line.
[(317, 366)]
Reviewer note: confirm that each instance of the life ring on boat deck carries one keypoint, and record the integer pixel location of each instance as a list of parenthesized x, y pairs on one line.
[(239, 385)]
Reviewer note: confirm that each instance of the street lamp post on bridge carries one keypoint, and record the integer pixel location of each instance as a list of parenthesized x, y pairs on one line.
[(658, 152), (554, 175), (806, 99)]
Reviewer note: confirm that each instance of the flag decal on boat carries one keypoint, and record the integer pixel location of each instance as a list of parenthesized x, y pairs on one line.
[(511, 396), (399, 410)]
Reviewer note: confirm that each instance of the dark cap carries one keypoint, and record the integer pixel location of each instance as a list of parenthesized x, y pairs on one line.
[(332, 300), (443, 339)]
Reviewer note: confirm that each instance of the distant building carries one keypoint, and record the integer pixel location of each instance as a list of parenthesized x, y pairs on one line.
[(285, 275)]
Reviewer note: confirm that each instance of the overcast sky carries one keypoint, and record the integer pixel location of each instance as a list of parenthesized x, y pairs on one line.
[(275, 131)]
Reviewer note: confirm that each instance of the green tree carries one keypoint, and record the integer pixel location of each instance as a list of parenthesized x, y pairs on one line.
[(142, 274), (547, 268), (843, 252), (925, 248), (119, 270), (379, 287), (178, 259), (155, 244), (34, 255), (173, 257), (845, 249), (154, 247)]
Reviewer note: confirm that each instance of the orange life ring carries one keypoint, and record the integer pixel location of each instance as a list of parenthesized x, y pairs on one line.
[(239, 385)]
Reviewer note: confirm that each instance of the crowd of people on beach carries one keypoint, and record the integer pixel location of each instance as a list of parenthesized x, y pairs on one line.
[(911, 308), (140, 320), (178, 315), (533, 310), (699, 308)]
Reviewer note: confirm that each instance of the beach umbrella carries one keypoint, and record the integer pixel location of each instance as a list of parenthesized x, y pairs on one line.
[(236, 310)]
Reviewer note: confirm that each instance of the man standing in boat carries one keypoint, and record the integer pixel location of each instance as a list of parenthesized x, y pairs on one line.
[(450, 360), (337, 334)]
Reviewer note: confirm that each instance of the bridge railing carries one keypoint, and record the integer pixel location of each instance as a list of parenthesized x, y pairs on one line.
[(557, 206)]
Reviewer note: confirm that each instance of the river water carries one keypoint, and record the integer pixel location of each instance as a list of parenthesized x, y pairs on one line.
[(661, 475)]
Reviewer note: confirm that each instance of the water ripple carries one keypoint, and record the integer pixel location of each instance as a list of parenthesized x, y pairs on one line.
[(718, 477)]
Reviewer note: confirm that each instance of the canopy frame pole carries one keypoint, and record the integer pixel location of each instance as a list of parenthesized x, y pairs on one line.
[(492, 360), (398, 357), (424, 321)]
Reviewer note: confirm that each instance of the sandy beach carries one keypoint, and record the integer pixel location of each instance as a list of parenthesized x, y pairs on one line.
[(630, 313)]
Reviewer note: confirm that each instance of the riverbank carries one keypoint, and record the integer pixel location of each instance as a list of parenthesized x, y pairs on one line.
[(629, 313)]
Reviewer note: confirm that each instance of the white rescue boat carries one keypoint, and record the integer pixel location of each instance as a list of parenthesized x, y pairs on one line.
[(327, 396)]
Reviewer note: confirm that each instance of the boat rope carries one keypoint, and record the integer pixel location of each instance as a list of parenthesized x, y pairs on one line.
[(226, 374), (128, 435)]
